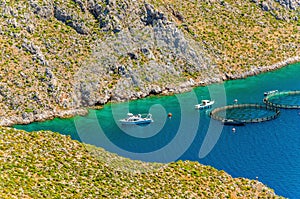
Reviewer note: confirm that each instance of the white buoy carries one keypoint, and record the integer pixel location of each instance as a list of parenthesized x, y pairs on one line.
[(233, 130), (235, 101)]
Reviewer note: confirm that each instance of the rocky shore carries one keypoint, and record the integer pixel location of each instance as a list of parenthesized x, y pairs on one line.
[(262, 69), (63, 57), (60, 58), (27, 118)]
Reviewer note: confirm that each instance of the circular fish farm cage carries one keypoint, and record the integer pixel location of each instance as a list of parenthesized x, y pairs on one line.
[(245, 113), (285, 99)]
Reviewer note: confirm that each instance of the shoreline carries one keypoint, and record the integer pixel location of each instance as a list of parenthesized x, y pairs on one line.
[(48, 115), (263, 69)]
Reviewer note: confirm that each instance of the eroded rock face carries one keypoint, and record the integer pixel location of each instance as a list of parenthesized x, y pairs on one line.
[(152, 15), (70, 20), (43, 11), (290, 4), (155, 50), (142, 51), (279, 8), (35, 51), (109, 14)]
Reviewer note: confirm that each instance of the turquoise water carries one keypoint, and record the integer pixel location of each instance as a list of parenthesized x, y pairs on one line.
[(269, 151), (293, 100), (246, 113)]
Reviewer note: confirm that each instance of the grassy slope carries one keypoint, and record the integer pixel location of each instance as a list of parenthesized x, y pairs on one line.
[(22, 74), (45, 164), (238, 34)]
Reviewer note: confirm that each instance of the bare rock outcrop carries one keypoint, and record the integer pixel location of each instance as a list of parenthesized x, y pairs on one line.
[(70, 20), (280, 8), (61, 55), (155, 50)]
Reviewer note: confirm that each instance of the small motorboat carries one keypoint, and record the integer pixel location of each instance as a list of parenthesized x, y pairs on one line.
[(233, 122), (205, 104), (137, 119), (270, 92)]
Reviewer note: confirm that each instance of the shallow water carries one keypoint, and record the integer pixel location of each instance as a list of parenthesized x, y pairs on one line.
[(269, 151)]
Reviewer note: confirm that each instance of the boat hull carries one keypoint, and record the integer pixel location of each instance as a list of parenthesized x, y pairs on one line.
[(205, 104), (136, 122), (202, 107), (136, 119), (233, 123)]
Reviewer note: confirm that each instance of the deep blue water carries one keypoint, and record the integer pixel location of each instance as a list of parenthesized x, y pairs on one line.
[(269, 151)]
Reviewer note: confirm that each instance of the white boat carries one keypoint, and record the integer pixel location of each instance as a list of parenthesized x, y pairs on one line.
[(205, 104), (270, 92), (136, 119)]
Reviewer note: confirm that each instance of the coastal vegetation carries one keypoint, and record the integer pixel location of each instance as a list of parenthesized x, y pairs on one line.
[(239, 35), (49, 165), (59, 56)]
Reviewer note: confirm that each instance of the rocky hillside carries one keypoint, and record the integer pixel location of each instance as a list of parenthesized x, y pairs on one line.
[(58, 56), (50, 165)]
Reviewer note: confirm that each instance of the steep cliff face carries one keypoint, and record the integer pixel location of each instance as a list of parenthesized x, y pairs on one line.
[(147, 55), (62, 55)]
